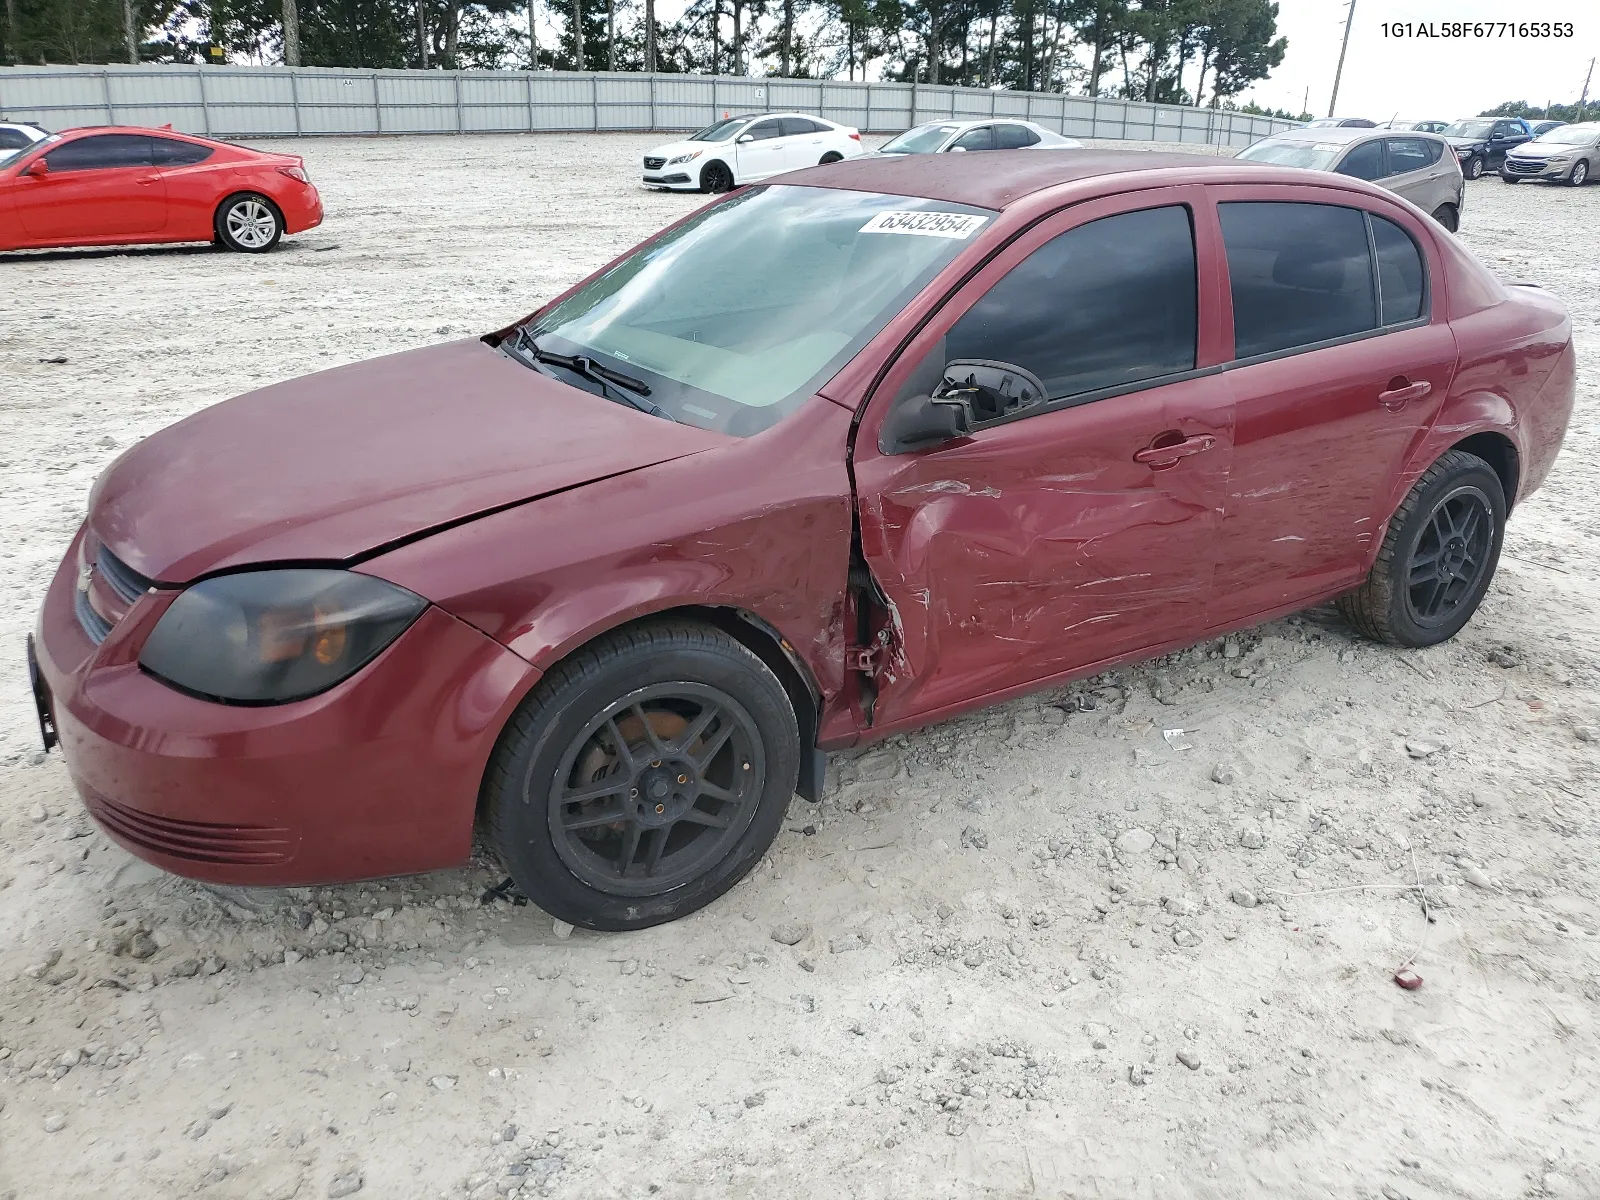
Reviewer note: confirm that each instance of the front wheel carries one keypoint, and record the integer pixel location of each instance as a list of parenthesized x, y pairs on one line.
[(1437, 558), (1474, 167), (1579, 175), (716, 178), (249, 223), (1505, 178), (644, 776)]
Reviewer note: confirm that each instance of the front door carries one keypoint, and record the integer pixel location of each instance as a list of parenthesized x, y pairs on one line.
[(1342, 361), (1069, 529), (103, 186), (761, 150)]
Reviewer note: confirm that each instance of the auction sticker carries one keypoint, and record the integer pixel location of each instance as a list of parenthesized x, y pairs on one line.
[(926, 224)]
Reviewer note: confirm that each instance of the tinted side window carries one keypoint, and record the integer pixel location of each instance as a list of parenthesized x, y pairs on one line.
[(1300, 274), (762, 130), (793, 126), (1013, 137), (1408, 154), (1435, 150), (1400, 272), (103, 150), (168, 152), (14, 139), (981, 138), (1365, 161), (1106, 304)]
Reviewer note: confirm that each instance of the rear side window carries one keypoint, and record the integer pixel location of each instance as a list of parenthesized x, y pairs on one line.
[(1013, 137), (1300, 274), (1365, 161), (1105, 305), (169, 152), (1400, 277), (101, 151), (981, 138), (1409, 154)]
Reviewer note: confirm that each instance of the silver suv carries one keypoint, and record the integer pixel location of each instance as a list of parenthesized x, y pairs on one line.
[(1418, 166), (1568, 154)]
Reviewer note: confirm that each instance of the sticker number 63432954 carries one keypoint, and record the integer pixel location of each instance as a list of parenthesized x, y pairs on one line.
[(926, 224)]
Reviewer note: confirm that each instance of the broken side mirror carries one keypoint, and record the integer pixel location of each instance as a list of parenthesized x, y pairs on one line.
[(920, 422), (990, 389)]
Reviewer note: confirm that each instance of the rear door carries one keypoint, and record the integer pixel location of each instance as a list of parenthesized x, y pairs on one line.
[(803, 143), (98, 187), (1412, 171), (761, 151), (1338, 369), (1075, 529), (1008, 135)]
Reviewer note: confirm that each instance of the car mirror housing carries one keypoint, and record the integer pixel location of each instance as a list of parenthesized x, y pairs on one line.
[(38, 168), (922, 422), (990, 389), (746, 137)]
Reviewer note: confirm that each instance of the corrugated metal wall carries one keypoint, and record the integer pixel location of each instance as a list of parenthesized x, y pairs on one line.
[(277, 101)]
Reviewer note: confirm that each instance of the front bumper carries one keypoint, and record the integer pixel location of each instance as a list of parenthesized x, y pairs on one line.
[(674, 179), (1521, 168), (378, 776)]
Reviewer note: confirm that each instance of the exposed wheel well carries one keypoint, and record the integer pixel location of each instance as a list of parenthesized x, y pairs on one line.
[(1498, 451)]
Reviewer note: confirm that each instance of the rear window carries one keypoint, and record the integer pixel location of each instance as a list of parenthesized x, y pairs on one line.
[(1400, 274), (794, 126), (169, 152)]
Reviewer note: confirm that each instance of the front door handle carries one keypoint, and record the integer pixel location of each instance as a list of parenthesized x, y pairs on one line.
[(147, 180), (1159, 458), (1401, 393)]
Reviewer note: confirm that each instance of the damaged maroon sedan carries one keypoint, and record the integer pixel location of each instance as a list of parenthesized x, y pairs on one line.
[(828, 459)]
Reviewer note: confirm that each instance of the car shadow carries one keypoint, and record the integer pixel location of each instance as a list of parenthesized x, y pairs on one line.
[(80, 253)]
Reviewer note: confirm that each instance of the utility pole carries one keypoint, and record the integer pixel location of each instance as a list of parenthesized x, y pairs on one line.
[(611, 35), (1305, 101), (1584, 99), (422, 33), (533, 35), (128, 26), (291, 33), (650, 36), (577, 32), (1349, 20)]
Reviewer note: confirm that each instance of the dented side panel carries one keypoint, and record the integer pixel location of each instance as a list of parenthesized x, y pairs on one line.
[(1039, 545)]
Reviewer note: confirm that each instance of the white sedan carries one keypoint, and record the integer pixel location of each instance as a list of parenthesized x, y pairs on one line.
[(946, 137), (745, 148), (18, 137)]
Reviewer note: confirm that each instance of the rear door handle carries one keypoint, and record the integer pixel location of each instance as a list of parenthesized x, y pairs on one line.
[(1401, 393), (1159, 458)]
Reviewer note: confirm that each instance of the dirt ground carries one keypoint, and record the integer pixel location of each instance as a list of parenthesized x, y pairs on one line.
[(1035, 952)]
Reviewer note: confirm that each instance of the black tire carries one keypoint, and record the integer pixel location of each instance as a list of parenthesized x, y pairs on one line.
[(1505, 178), (832, 156), (716, 178), (1579, 175), (249, 223), (646, 688), (1447, 216), (1418, 563), (1474, 167)]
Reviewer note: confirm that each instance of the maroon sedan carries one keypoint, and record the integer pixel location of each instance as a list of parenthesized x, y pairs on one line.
[(830, 458)]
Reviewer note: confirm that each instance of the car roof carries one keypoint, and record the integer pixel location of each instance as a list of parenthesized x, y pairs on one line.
[(1328, 133), (997, 178)]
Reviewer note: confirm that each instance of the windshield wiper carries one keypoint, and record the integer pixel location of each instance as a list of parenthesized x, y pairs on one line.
[(523, 346)]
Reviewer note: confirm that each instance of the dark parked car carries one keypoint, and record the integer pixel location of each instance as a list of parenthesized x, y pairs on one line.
[(1482, 143), (829, 458)]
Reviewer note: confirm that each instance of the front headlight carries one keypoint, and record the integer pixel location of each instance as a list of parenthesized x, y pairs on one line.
[(269, 637), (683, 158)]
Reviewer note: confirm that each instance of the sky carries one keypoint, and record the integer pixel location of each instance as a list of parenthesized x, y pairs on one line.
[(1427, 78), (1421, 78)]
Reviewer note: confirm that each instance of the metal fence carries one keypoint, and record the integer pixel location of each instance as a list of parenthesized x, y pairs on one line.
[(279, 101)]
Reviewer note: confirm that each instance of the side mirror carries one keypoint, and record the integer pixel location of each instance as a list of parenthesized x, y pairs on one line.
[(958, 149), (920, 422), (39, 168), (746, 137), (990, 389)]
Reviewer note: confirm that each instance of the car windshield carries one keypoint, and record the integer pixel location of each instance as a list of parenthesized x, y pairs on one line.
[(734, 318), (1317, 156), (924, 139), (1471, 129), (1568, 135), (721, 131)]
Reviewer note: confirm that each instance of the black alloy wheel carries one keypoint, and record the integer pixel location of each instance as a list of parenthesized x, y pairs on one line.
[(1451, 556), (716, 178)]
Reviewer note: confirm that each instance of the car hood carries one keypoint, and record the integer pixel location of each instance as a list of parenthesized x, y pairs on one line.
[(337, 464), (1465, 141), (673, 149)]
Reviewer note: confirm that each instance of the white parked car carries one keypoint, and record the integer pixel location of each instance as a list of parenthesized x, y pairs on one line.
[(749, 147), (944, 137), (18, 137)]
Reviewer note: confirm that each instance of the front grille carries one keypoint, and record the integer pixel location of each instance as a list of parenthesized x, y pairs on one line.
[(1525, 166), (106, 592), (196, 841), (654, 164), (93, 623), (124, 580)]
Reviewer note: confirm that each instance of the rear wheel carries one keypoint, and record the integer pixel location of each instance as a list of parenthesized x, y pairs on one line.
[(1437, 558), (716, 178), (832, 156), (1579, 175), (644, 776), (1474, 167), (249, 223), (1446, 215)]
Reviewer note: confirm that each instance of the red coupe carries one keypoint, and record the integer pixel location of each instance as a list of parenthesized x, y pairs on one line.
[(122, 186), (827, 459)]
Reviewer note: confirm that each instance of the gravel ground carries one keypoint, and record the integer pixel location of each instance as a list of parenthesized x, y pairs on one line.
[(1035, 951)]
